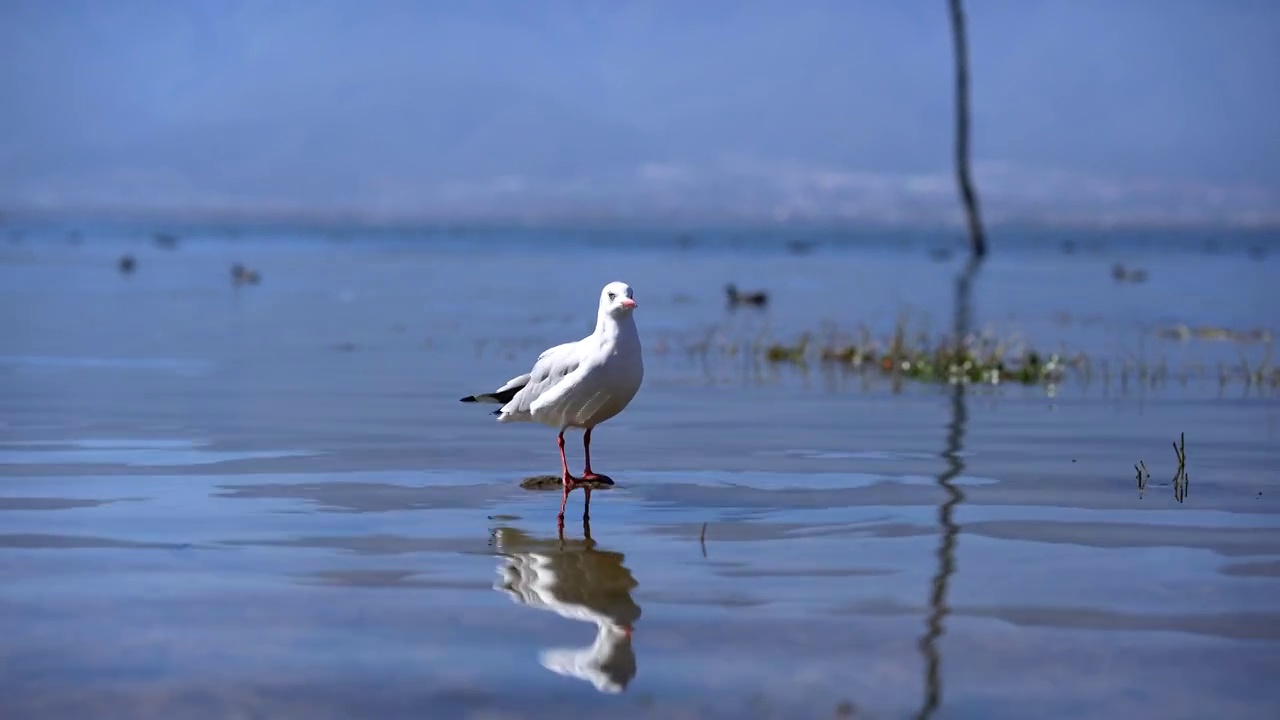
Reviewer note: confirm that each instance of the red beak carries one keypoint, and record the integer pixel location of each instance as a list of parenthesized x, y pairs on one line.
[(628, 303)]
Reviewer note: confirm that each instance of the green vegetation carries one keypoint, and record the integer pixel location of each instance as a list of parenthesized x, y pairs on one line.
[(982, 358)]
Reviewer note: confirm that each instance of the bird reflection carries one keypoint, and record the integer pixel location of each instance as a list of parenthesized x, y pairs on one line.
[(575, 580)]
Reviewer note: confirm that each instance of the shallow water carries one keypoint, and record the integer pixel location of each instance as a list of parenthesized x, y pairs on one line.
[(267, 501)]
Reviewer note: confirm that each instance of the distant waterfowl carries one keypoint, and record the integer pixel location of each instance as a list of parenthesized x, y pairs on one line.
[(242, 275), (1122, 274), (801, 247), (757, 298), (127, 264), (168, 241), (579, 385)]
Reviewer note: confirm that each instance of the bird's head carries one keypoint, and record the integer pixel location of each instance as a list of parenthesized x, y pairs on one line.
[(617, 299)]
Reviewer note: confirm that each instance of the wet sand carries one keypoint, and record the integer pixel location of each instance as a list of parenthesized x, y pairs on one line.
[(267, 501)]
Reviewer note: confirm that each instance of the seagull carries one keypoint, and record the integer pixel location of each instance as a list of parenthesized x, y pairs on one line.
[(577, 582), (579, 384)]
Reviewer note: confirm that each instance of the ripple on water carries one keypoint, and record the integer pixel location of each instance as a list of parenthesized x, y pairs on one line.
[(180, 366), (140, 452)]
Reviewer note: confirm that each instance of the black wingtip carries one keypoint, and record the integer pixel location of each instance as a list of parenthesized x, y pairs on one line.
[(469, 398)]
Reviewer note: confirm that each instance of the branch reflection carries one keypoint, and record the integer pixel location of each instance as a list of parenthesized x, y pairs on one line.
[(575, 580), (950, 531)]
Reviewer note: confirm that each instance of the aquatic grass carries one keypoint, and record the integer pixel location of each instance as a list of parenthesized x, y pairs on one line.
[(905, 354), (922, 358)]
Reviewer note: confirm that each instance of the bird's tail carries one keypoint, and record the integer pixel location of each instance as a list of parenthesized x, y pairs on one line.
[(502, 398), (502, 395)]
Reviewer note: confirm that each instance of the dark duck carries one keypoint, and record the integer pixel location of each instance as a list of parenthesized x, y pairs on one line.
[(756, 298)]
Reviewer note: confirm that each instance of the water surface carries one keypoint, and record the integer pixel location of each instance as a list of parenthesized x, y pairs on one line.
[(267, 501)]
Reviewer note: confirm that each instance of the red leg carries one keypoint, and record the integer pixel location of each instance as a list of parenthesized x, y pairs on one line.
[(566, 478), (586, 449), (564, 498), (587, 475), (564, 463)]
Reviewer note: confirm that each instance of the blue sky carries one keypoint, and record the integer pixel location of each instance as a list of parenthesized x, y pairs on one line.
[(763, 110)]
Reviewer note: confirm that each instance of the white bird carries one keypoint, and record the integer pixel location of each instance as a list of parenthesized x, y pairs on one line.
[(579, 384), (576, 582)]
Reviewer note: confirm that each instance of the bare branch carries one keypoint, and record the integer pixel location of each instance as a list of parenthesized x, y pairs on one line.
[(977, 238)]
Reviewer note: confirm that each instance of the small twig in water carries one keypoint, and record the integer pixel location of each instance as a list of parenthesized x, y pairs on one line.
[(1143, 477), (1181, 481)]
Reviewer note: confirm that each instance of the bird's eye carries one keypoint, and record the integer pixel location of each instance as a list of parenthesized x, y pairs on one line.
[(612, 296)]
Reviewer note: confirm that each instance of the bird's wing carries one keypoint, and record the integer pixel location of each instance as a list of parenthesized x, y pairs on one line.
[(514, 383), (550, 372)]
